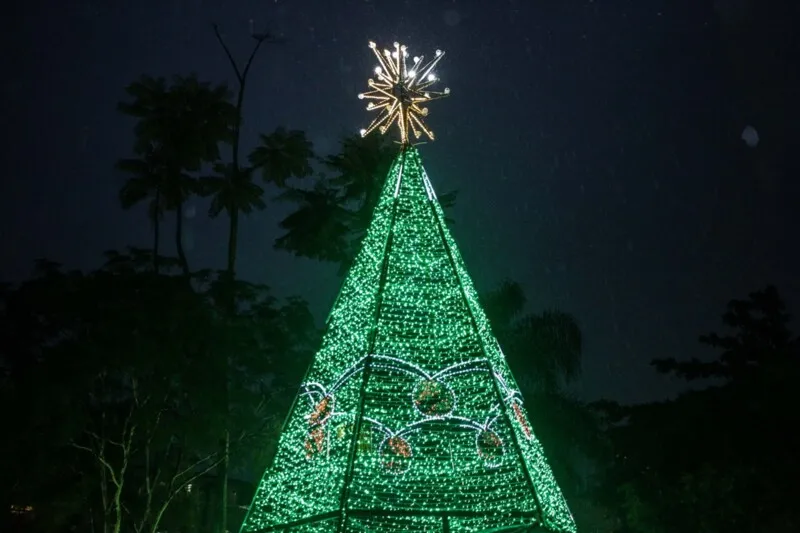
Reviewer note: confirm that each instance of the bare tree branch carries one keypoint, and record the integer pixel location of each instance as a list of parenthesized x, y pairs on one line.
[(228, 53), (100, 459), (177, 491), (195, 465)]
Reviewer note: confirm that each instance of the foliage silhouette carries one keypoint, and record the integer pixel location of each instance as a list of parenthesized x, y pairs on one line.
[(179, 128), (333, 213), (544, 351), (721, 458), (761, 338), (111, 375), (281, 156)]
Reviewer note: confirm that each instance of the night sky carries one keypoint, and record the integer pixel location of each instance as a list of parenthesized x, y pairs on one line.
[(596, 146)]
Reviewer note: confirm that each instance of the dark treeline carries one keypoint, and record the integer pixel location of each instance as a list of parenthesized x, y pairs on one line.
[(147, 395)]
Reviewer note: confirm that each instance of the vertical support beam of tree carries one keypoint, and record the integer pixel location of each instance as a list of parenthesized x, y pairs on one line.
[(498, 393), (351, 457)]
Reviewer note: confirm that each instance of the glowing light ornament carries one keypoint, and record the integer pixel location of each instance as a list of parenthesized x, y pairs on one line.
[(400, 91), (432, 398), (409, 418)]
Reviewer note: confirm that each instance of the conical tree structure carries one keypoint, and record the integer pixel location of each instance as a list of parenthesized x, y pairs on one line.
[(409, 418)]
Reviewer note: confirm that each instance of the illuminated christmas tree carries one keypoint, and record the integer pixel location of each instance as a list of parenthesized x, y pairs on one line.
[(409, 418)]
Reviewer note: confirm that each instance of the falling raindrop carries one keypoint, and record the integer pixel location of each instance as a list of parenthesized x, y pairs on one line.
[(452, 17), (188, 239), (750, 136)]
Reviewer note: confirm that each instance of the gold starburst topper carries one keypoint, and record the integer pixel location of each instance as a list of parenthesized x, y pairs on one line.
[(400, 92)]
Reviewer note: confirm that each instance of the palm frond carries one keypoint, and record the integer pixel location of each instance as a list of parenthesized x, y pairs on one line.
[(283, 154), (232, 190), (317, 229)]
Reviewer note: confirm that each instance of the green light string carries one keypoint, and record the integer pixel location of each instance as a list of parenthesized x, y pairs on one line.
[(556, 513), (359, 419), (434, 435)]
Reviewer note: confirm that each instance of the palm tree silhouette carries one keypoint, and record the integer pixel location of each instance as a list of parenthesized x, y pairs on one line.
[(179, 128)]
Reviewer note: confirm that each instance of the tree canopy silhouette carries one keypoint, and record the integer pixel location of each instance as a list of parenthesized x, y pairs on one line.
[(179, 128), (333, 213)]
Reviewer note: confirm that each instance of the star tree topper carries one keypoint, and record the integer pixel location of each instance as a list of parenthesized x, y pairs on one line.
[(400, 92)]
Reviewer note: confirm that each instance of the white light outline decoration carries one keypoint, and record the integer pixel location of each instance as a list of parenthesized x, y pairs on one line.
[(312, 388), (399, 93), (428, 186), (399, 177)]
